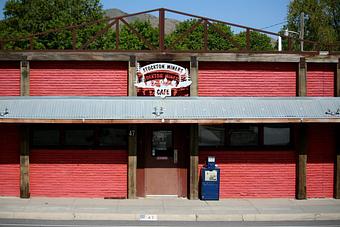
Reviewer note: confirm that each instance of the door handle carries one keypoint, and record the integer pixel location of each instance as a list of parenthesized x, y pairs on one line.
[(175, 156)]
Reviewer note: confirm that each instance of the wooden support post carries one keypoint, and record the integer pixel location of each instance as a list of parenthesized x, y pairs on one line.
[(132, 162), (205, 35), (24, 78), (132, 141), (337, 165), (24, 163), (24, 134), (301, 166), (74, 39), (31, 43), (302, 78), (248, 39), (194, 76), (161, 29), (132, 75), (289, 43), (337, 132), (194, 175), (117, 34), (338, 79)]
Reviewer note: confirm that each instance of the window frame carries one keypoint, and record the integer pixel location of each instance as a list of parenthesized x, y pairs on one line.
[(62, 146), (260, 146)]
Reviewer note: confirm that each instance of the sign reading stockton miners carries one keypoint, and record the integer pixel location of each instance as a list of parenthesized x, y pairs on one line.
[(162, 79)]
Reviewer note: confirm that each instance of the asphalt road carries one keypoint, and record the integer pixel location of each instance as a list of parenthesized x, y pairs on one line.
[(44, 223)]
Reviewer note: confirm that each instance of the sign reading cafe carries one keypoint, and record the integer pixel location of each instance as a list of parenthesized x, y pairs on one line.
[(162, 79)]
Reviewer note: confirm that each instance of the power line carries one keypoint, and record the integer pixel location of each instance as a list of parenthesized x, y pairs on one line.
[(283, 22)]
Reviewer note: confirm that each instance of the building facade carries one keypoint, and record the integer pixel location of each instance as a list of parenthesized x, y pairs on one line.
[(69, 128)]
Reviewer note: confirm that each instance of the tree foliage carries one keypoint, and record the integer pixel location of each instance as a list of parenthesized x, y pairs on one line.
[(258, 41), (130, 41), (322, 20), (220, 37), (195, 39), (24, 17)]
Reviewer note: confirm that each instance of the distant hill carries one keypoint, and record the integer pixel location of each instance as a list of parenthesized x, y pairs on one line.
[(170, 24)]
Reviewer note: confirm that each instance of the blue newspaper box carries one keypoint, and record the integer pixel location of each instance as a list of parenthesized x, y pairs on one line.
[(210, 180)]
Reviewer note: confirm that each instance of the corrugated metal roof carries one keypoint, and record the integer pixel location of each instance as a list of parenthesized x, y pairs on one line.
[(173, 108)]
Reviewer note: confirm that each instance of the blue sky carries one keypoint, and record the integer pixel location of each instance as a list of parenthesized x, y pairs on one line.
[(252, 13)]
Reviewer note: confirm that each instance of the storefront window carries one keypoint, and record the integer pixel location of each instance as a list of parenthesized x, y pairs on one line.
[(276, 135), (64, 136), (46, 137), (79, 137), (211, 135), (243, 135), (112, 137)]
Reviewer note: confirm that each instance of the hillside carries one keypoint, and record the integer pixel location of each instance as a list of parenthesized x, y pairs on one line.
[(170, 24)]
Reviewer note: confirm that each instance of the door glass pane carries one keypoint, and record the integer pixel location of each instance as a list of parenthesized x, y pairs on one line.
[(162, 143), (276, 135)]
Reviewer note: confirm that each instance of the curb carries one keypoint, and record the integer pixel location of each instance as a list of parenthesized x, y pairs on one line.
[(169, 217)]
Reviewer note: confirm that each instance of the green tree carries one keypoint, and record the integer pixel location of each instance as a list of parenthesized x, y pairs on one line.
[(24, 17), (258, 41), (130, 41), (195, 39), (322, 21)]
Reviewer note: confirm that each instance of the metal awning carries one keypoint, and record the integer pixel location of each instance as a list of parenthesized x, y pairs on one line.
[(209, 110)]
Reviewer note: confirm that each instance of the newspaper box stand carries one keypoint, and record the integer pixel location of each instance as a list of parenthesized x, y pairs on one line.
[(210, 180)]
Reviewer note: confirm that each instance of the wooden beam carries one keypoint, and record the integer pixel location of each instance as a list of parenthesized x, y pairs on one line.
[(301, 166), (132, 162), (113, 55), (338, 79), (132, 75), (194, 76), (194, 175), (24, 163), (186, 33), (140, 36), (302, 78), (161, 29), (24, 78), (337, 164)]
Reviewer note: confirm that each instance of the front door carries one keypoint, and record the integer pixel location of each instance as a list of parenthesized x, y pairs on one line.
[(165, 160)]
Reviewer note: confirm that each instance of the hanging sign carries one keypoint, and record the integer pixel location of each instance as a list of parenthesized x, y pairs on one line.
[(162, 79)]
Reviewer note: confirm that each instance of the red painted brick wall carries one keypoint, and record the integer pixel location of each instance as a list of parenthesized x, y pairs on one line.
[(246, 79), (9, 161), (79, 173), (320, 79), (320, 161), (9, 78), (79, 78), (254, 174)]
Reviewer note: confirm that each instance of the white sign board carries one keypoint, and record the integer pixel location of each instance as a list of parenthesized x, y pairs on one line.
[(210, 175)]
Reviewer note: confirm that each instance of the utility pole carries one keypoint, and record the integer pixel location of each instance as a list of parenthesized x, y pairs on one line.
[(302, 29)]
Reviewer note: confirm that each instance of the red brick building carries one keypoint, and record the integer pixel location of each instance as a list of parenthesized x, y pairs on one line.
[(48, 153), (75, 124)]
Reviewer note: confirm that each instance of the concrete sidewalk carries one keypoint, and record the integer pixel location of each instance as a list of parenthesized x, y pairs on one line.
[(169, 209)]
